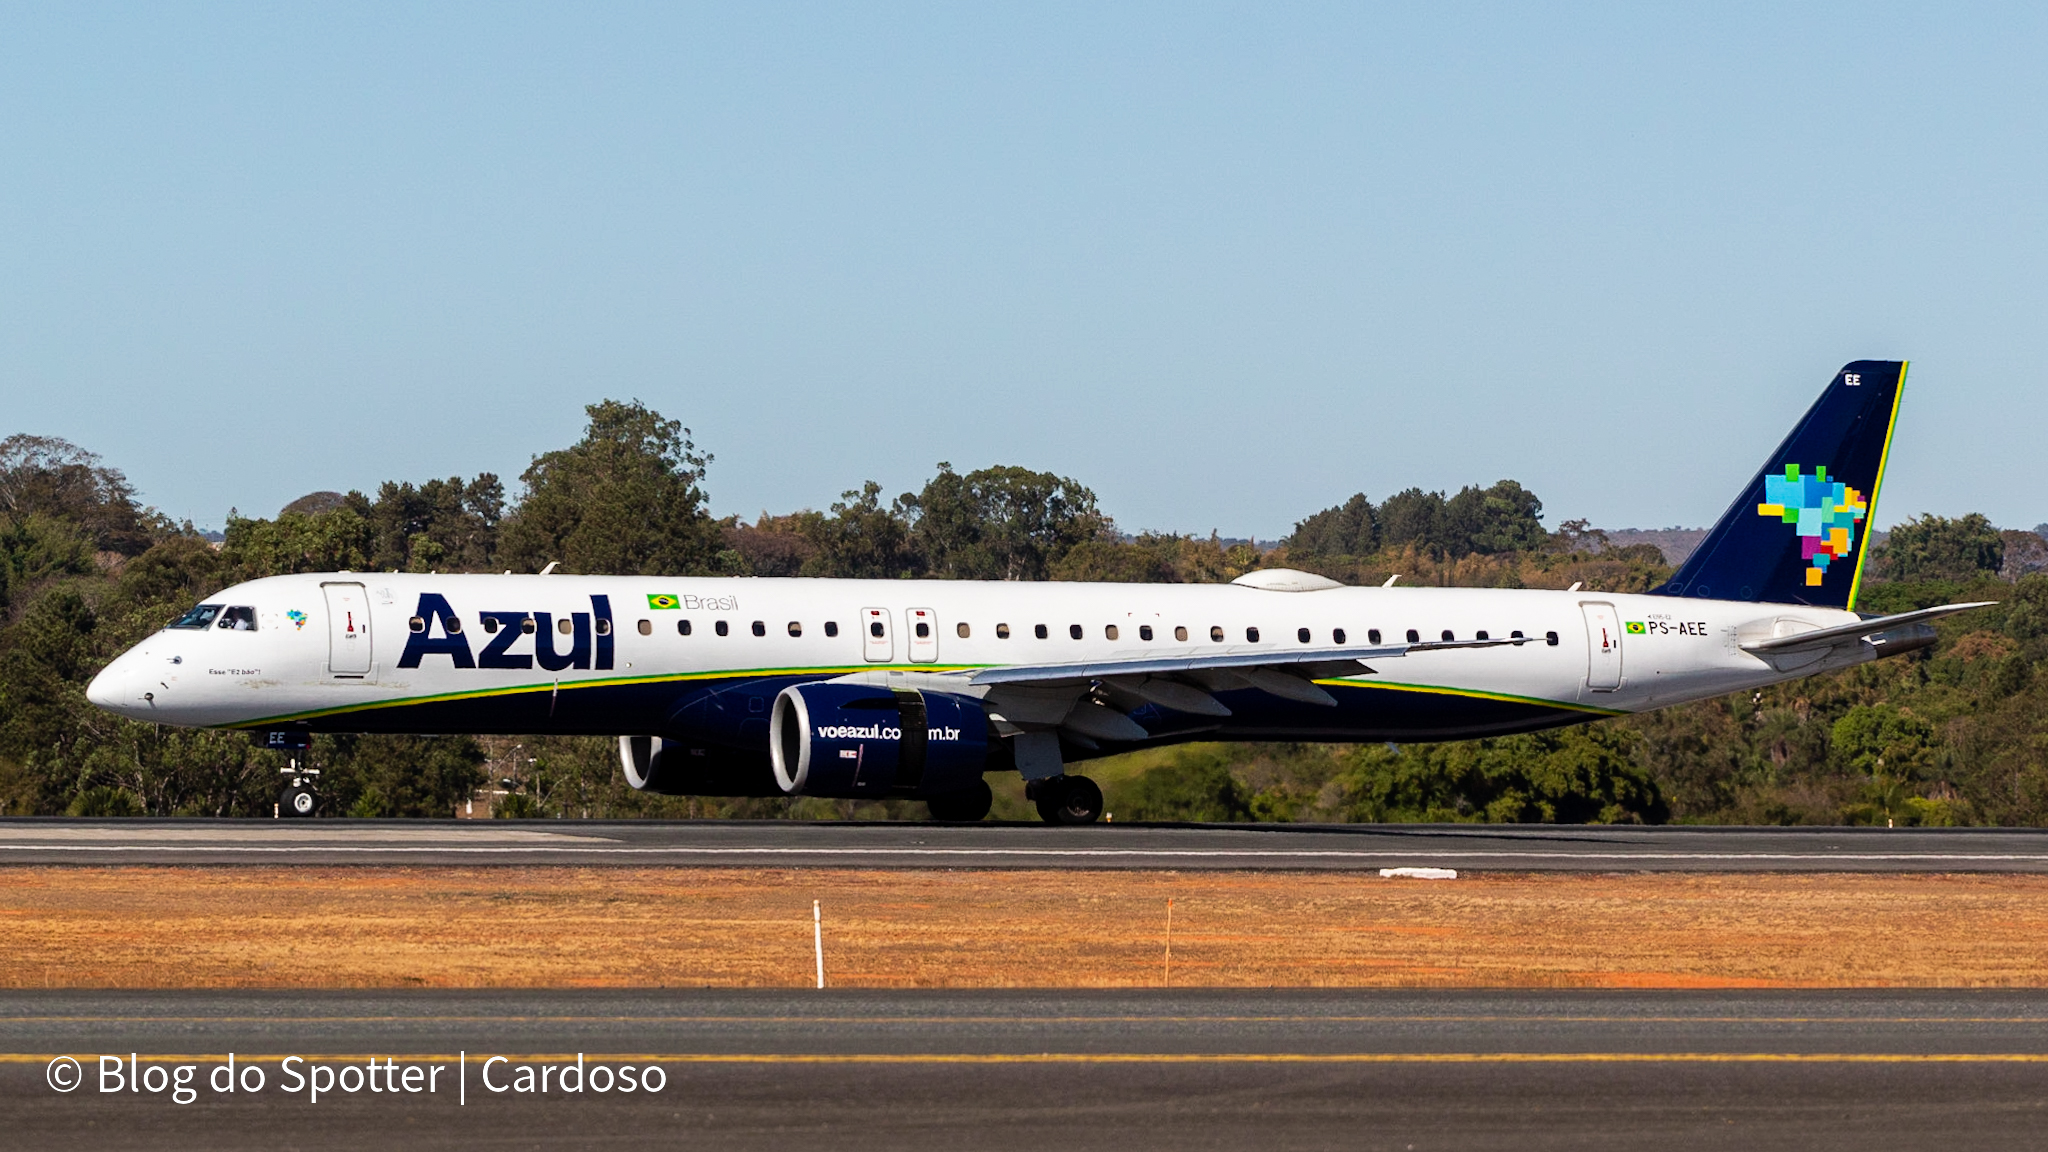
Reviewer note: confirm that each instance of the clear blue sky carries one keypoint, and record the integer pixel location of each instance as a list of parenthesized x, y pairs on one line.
[(1225, 264)]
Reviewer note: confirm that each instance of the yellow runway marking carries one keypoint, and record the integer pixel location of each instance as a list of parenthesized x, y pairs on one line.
[(1022, 1020)]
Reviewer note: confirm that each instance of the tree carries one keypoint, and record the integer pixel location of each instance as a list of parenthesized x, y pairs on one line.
[(42, 475), (442, 525), (1349, 529), (338, 540), (1198, 788), (1938, 548), (624, 500), (1504, 518), (1412, 516), (1001, 523), (863, 539)]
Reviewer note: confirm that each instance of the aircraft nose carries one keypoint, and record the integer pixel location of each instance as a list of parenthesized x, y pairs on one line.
[(105, 689)]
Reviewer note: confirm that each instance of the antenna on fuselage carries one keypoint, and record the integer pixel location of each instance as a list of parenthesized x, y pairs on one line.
[(1390, 580), (550, 569)]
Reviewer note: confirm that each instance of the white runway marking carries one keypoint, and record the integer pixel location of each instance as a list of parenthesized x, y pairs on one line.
[(156, 837)]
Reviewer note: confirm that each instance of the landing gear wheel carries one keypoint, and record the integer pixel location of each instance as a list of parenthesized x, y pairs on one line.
[(965, 806), (1069, 800), (298, 800)]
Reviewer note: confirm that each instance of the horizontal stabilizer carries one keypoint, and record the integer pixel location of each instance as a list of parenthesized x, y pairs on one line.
[(1829, 637)]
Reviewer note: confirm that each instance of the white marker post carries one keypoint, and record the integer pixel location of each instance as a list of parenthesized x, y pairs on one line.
[(818, 939), (1168, 981)]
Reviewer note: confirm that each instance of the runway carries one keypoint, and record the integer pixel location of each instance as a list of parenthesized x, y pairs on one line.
[(1219, 1069), (785, 844)]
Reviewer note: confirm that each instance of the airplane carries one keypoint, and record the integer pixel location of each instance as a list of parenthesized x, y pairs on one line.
[(920, 689)]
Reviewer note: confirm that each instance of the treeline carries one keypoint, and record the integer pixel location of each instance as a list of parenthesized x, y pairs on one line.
[(1952, 736)]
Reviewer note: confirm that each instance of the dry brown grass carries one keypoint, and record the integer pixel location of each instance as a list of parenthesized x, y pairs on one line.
[(589, 927)]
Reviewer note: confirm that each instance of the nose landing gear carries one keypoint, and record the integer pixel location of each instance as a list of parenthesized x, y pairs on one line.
[(299, 797), (1066, 799)]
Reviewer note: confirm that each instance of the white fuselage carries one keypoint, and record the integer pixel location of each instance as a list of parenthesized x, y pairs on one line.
[(330, 651)]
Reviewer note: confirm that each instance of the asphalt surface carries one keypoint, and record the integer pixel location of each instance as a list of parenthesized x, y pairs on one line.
[(1072, 1070), (783, 844)]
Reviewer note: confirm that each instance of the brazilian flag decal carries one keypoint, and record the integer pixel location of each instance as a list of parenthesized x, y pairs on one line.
[(660, 600), (1635, 627)]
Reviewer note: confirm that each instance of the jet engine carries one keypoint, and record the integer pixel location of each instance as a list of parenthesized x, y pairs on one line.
[(687, 768), (857, 740)]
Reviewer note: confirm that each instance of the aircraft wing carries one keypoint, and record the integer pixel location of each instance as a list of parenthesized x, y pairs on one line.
[(1829, 637), (1292, 659), (1090, 701)]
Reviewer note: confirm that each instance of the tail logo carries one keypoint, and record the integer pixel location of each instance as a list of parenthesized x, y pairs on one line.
[(1824, 512)]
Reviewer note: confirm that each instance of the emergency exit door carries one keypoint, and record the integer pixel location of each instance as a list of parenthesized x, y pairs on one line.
[(348, 630), (1603, 647), (876, 642), (924, 634)]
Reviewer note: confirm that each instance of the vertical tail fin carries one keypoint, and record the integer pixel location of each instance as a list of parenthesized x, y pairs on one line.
[(1798, 533)]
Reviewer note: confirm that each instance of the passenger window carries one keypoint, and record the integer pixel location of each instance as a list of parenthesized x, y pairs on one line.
[(491, 625), (200, 617), (1002, 631), (875, 629), (1251, 635), (1109, 631), (1372, 635), (1074, 630), (1336, 635), (962, 629), (924, 630), (721, 627), (646, 627), (760, 629), (565, 625), (1448, 637), (1180, 632), (1216, 633), (831, 627), (1144, 631), (1515, 635), (1414, 637), (526, 625), (416, 624), (1301, 634), (1038, 630), (454, 626), (795, 629), (682, 627), (1550, 638), (1479, 636), (604, 626)]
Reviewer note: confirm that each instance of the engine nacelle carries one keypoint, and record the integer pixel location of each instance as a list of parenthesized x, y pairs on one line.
[(858, 740), (694, 768)]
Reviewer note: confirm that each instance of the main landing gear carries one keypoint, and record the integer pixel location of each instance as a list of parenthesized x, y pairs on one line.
[(966, 806), (1066, 799)]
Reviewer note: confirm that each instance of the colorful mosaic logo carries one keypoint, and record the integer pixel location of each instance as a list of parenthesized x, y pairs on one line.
[(1825, 511), (297, 618), (659, 601)]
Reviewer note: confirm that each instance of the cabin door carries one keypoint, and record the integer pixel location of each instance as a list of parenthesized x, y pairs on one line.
[(1603, 647), (348, 630)]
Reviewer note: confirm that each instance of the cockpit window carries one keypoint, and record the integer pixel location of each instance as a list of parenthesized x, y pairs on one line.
[(200, 617), (238, 619)]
